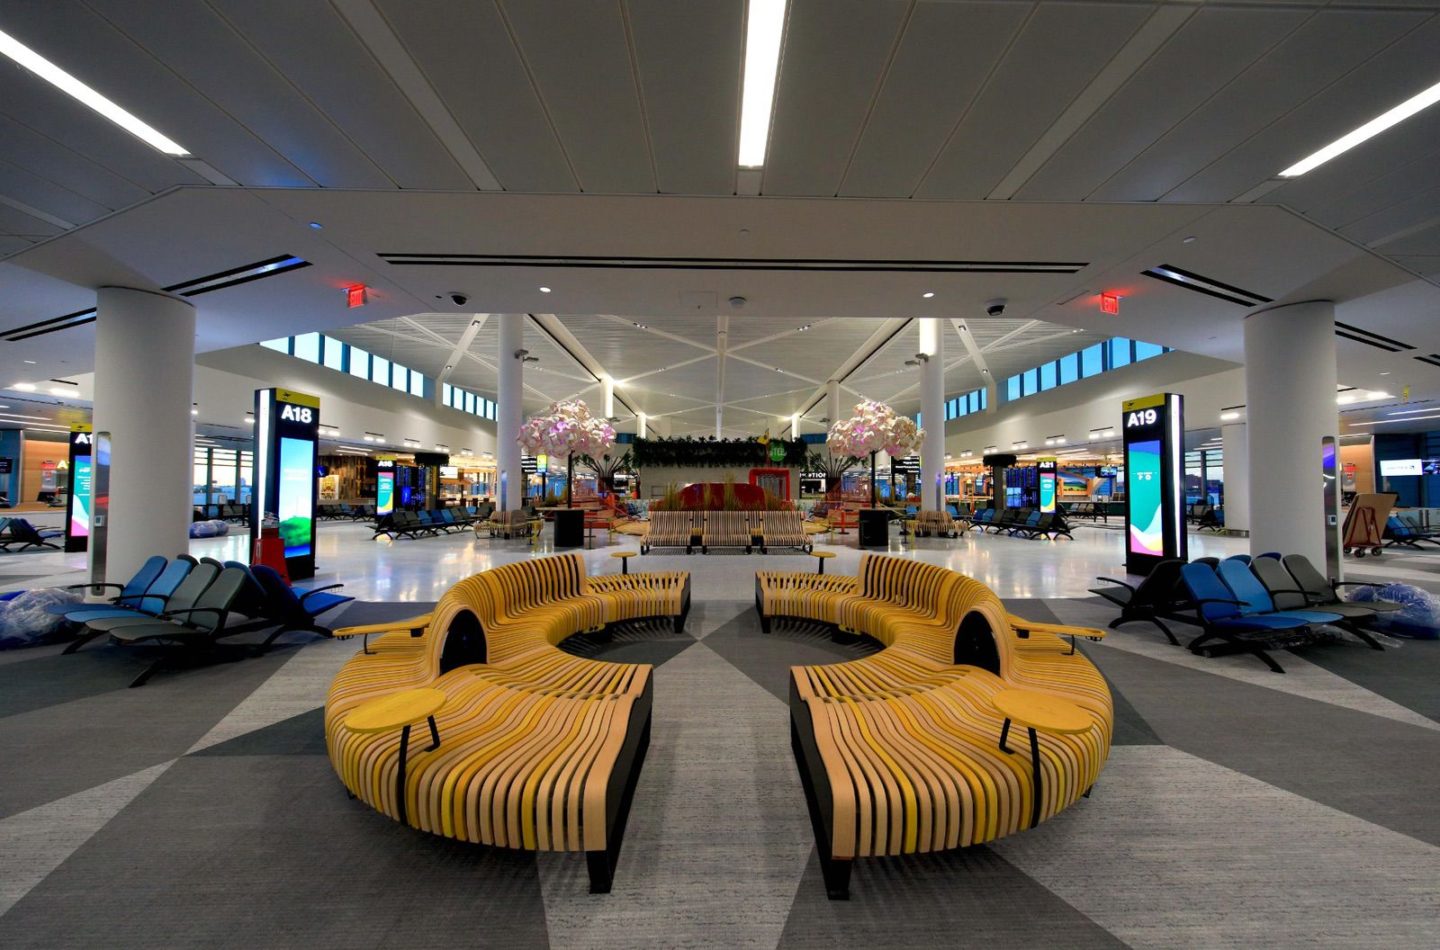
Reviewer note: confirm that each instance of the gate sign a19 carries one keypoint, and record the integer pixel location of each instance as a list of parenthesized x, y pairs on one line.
[(1154, 428)]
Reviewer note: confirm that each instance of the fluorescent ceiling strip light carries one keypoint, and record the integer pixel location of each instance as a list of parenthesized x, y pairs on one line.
[(1411, 412), (1367, 131), (68, 84), (1386, 422), (764, 29)]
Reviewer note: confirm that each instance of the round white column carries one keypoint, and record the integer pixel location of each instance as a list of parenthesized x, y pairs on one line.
[(932, 415), (642, 425), (832, 400), (509, 411), (1290, 406), (144, 383), (1235, 443)]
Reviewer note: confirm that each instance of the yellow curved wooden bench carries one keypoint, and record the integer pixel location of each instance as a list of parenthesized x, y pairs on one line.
[(538, 749), (901, 752)]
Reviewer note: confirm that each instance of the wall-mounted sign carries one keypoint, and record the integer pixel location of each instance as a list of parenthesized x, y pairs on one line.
[(528, 464), (1154, 509)]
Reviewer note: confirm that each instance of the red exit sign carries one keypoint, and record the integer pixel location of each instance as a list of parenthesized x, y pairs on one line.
[(357, 295), (1110, 303)]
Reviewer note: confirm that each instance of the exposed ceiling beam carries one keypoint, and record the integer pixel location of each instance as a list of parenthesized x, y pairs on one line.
[(860, 357), (462, 346), (567, 341)]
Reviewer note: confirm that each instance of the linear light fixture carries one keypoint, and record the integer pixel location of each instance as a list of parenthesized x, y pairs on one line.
[(1386, 422), (68, 84), (1369, 130), (764, 29)]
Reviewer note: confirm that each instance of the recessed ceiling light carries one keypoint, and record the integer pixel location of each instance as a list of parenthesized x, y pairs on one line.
[(68, 84), (24, 387), (764, 29), (1386, 373), (544, 290), (928, 294), (316, 225), (1189, 240), (1369, 130), (30, 362)]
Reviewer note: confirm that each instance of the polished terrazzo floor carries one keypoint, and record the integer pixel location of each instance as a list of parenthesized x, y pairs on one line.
[(1239, 807)]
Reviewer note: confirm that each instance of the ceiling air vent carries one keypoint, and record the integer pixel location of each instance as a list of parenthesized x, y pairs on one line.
[(724, 264), (1370, 339), (1200, 284), (1433, 359), (233, 277)]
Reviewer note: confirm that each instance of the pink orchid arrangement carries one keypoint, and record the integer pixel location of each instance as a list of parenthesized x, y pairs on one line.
[(566, 429), (875, 427)]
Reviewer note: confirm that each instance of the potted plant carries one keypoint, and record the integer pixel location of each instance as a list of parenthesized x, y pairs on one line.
[(567, 428)]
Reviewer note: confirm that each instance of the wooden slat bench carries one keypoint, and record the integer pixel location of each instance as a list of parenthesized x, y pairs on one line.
[(539, 749), (899, 752)]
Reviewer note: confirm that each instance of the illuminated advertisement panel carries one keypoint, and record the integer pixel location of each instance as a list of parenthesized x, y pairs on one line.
[(1154, 506), (384, 486), (287, 430), (1047, 483), (78, 501)]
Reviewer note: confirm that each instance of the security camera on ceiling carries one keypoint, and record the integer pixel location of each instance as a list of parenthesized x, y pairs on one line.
[(459, 299), (995, 307)]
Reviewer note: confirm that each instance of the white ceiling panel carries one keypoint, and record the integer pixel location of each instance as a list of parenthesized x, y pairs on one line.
[(580, 57), (16, 222), (836, 52), (927, 90), (70, 34), (1324, 49), (1398, 221), (688, 59), (24, 148), (318, 52), (192, 39), (467, 53), (45, 195), (1059, 51), (1399, 72), (1211, 48)]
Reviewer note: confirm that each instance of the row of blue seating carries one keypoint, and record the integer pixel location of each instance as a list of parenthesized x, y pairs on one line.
[(1022, 522), (1245, 605), (193, 604)]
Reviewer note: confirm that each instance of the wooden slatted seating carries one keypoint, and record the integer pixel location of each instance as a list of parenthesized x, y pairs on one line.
[(670, 529), (939, 524), (783, 529), (538, 749), (900, 752), (726, 529)]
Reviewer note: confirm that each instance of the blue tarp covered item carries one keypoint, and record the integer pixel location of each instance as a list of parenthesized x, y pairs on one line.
[(1420, 620), (209, 529), (24, 621)]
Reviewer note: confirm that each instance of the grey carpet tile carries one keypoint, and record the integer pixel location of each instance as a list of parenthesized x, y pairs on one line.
[(767, 657), (1408, 673), (266, 851), (1031, 608), (1371, 767), (972, 898), (299, 735), (654, 643), (59, 750), (1173, 851), (1130, 727), (54, 679)]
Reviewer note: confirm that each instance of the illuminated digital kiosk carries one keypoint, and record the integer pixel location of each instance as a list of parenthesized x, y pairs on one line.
[(78, 501), (384, 486), (1154, 429), (1047, 483), (287, 426)]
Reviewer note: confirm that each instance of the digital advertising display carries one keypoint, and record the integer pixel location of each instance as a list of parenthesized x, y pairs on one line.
[(1147, 532), (287, 428), (1392, 468), (384, 486), (1047, 468), (296, 507), (1154, 429), (78, 502)]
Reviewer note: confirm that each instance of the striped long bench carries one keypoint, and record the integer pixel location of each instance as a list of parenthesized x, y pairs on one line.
[(899, 752), (540, 750)]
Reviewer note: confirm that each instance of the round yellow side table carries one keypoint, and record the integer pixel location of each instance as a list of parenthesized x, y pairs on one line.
[(624, 557), (1037, 711), (399, 710), (821, 557)]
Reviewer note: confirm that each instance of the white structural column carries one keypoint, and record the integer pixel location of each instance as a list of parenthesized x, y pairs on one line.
[(832, 400), (794, 425), (607, 396), (1235, 442), (144, 378), (509, 399), (642, 425), (932, 415), (1290, 407)]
